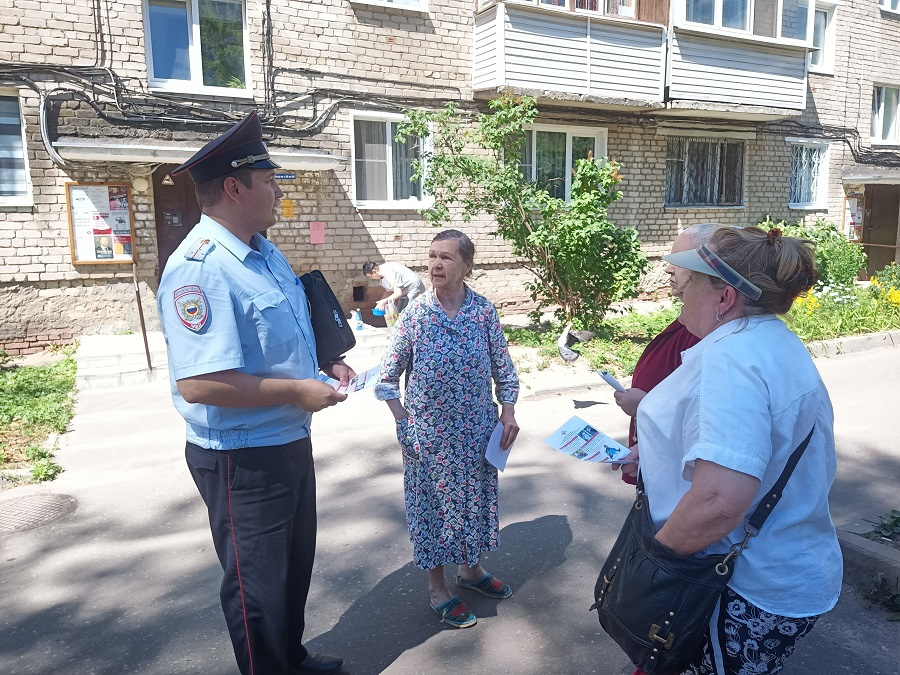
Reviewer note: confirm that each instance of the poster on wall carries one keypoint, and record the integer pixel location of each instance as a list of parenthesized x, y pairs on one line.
[(101, 223), (852, 225)]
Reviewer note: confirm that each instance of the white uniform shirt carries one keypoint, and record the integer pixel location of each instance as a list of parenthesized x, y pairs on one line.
[(745, 397), (225, 306)]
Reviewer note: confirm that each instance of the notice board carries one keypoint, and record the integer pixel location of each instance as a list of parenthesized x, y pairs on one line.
[(101, 223)]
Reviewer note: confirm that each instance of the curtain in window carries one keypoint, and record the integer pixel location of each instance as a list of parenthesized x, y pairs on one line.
[(551, 162), (806, 167), (593, 5), (889, 114), (370, 145), (877, 101), (704, 172), (13, 181), (169, 30), (819, 25), (222, 43), (731, 174), (526, 157), (404, 154), (582, 146)]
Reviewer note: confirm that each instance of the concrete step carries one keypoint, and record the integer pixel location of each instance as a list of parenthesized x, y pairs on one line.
[(116, 360)]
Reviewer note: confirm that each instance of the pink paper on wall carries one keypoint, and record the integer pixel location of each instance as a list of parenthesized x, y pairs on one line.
[(316, 232)]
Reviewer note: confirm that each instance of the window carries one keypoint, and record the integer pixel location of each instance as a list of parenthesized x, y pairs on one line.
[(785, 19), (704, 172), (197, 43), (821, 60), (809, 174), (884, 115), (383, 166), (890, 5), (609, 7), (15, 188), (550, 154)]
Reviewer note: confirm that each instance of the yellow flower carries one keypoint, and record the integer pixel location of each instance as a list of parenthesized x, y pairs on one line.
[(810, 301), (893, 296)]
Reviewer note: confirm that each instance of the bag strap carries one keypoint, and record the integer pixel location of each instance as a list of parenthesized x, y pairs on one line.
[(764, 510), (773, 496)]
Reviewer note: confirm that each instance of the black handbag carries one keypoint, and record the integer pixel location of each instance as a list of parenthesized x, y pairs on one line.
[(334, 336), (657, 604)]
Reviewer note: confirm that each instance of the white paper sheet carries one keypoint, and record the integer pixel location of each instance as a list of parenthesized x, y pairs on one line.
[(494, 454), (358, 383), (610, 380), (580, 440)]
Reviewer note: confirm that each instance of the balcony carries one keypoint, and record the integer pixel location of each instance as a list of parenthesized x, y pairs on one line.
[(751, 67), (571, 56)]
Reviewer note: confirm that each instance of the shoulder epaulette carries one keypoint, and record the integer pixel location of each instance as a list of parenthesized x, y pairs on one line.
[(200, 249)]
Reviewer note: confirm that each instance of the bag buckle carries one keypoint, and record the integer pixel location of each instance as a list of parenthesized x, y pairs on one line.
[(667, 643)]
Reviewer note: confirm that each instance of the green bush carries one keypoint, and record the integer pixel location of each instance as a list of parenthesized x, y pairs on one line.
[(887, 278), (838, 259), (581, 261)]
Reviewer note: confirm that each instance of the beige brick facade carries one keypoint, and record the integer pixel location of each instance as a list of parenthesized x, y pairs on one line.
[(322, 61)]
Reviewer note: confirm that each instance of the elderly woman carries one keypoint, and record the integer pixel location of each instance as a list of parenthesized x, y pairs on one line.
[(451, 342), (716, 434)]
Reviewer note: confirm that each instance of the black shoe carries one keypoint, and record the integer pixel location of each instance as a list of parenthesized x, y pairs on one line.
[(320, 664)]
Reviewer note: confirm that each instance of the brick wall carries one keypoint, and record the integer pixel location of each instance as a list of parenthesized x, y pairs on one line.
[(344, 50)]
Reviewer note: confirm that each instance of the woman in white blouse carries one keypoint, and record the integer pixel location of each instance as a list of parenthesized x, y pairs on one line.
[(717, 433)]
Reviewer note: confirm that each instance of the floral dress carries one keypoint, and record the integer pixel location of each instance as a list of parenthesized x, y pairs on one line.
[(451, 491)]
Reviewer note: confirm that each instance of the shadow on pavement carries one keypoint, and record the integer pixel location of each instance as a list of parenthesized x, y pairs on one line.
[(394, 616)]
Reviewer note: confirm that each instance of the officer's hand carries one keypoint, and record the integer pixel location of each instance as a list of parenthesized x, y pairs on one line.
[(340, 371), (314, 395)]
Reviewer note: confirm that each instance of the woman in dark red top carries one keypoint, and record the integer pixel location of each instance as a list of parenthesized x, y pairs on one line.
[(663, 354)]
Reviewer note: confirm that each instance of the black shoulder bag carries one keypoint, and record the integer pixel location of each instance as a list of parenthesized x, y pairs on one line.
[(657, 604), (334, 336)]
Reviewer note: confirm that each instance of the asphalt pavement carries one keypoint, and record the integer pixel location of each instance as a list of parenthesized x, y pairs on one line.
[(128, 581)]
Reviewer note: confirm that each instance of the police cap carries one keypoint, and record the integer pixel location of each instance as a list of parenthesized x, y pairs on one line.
[(240, 146)]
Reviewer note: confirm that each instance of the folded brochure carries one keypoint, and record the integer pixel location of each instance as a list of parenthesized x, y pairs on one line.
[(580, 440)]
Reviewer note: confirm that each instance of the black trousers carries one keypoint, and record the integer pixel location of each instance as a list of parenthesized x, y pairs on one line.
[(262, 513)]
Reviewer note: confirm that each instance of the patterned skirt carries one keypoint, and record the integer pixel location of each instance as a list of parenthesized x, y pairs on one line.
[(745, 640)]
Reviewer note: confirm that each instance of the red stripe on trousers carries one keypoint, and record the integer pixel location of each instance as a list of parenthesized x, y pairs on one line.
[(237, 565)]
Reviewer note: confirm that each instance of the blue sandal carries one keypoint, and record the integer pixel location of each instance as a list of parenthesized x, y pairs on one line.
[(488, 585), (455, 613)]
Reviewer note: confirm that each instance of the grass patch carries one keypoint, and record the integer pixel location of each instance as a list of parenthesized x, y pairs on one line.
[(617, 346), (826, 313), (35, 401)]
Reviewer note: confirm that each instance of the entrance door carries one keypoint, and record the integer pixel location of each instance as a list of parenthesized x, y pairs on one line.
[(176, 210), (879, 237)]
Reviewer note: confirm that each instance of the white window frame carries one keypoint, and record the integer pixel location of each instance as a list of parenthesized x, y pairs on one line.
[(28, 198), (877, 116), (889, 6), (747, 33), (195, 84), (599, 134), (389, 204), (821, 180), (827, 65), (410, 5), (709, 137)]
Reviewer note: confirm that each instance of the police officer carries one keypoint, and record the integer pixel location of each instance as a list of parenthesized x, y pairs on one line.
[(242, 363)]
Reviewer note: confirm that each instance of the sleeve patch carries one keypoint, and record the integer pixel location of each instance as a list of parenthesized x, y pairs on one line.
[(191, 306)]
